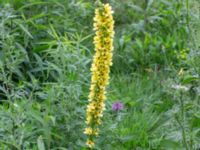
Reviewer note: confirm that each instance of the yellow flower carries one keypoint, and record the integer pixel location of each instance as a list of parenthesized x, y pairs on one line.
[(91, 107), (181, 72), (90, 143), (100, 69), (88, 131)]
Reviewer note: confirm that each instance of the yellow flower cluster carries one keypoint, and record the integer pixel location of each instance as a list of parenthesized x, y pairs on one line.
[(102, 60)]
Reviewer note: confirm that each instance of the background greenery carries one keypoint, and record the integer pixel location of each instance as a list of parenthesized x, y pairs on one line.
[(45, 56)]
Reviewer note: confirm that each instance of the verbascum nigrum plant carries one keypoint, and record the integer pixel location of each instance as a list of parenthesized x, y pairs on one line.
[(102, 60)]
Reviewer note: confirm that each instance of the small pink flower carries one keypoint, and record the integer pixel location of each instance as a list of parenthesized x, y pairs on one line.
[(117, 106)]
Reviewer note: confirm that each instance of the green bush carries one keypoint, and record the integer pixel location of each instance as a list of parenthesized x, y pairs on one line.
[(153, 36)]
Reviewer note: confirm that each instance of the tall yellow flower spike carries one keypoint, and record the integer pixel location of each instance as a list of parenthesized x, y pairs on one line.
[(102, 60)]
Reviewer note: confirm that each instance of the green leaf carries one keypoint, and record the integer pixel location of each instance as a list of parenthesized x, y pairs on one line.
[(24, 29), (40, 143), (170, 145), (10, 144), (188, 79)]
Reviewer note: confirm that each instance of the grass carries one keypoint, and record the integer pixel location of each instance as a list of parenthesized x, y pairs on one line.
[(45, 56)]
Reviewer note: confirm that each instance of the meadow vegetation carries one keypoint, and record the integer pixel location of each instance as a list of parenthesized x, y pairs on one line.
[(46, 51)]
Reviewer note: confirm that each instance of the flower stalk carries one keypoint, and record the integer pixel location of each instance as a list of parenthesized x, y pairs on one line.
[(102, 60)]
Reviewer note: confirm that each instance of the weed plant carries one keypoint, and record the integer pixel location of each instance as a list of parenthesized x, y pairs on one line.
[(45, 57)]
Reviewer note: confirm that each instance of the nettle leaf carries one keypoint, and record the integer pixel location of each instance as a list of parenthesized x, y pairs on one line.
[(189, 79)]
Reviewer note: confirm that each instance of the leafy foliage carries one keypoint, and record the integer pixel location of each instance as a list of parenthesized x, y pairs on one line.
[(45, 56)]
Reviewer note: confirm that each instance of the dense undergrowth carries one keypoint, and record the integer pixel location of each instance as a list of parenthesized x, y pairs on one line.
[(45, 56)]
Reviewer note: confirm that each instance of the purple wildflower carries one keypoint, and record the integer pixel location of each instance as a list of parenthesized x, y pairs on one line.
[(117, 106)]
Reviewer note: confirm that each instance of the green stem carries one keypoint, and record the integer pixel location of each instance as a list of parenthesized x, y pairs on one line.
[(187, 8), (183, 121)]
